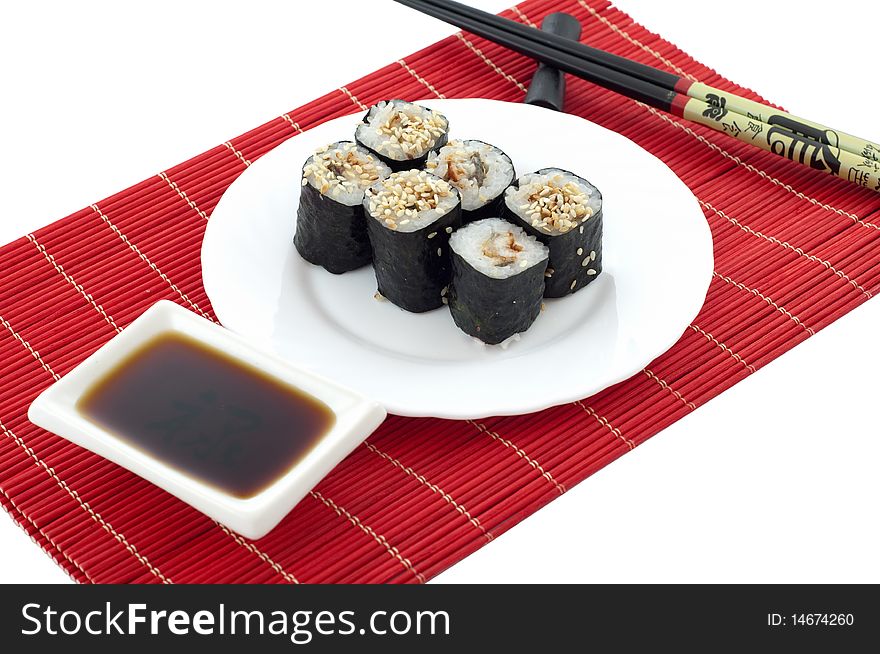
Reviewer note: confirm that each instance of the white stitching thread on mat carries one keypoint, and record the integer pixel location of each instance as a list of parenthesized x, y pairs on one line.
[(604, 422), (506, 76), (504, 441), (785, 312), (85, 506), (48, 539), (489, 62), (623, 34), (134, 248), (773, 180), (704, 141), (522, 16), (353, 98), (726, 349), (17, 521), (519, 452), (723, 153), (686, 129), (379, 538), (421, 79), (182, 194), (255, 550), (237, 153), (718, 149), (293, 123), (433, 487), (669, 388), (787, 245), (29, 348), (60, 270), (249, 546), (252, 548)]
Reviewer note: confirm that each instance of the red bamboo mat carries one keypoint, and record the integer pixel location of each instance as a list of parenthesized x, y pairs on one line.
[(794, 250)]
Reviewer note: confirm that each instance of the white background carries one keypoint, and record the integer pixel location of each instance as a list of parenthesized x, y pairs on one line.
[(773, 481)]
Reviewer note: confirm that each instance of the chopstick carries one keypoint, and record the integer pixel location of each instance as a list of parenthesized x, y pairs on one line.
[(666, 80), (772, 130)]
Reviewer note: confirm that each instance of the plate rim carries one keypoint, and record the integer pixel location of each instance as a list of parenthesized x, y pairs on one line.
[(495, 408)]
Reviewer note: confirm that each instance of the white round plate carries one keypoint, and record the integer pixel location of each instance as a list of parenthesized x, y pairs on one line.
[(657, 269)]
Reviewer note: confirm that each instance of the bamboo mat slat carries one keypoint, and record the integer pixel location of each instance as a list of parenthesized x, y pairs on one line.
[(794, 250)]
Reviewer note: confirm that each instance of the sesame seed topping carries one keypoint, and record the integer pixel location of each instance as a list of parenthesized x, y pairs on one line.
[(590, 271), (439, 252), (334, 168), (405, 195), (573, 284), (580, 251), (404, 130), (553, 201), (593, 255)]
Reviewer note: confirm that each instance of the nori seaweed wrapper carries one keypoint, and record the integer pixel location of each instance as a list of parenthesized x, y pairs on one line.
[(492, 209), (490, 309), (412, 269), (568, 271), (398, 165), (330, 233)]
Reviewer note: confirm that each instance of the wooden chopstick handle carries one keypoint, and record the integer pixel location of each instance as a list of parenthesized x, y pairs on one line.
[(757, 111), (819, 149)]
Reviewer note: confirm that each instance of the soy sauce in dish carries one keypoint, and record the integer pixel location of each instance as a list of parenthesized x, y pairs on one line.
[(207, 415)]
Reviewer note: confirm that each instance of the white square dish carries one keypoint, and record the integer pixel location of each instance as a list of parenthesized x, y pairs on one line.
[(356, 417)]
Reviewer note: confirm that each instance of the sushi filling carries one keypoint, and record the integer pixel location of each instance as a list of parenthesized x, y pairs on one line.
[(401, 130), (496, 248), (553, 202), (478, 170), (410, 200), (343, 171)]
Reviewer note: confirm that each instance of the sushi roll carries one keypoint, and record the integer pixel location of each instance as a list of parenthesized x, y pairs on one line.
[(331, 230), (563, 211), (401, 133), (481, 172), (410, 216), (497, 279)]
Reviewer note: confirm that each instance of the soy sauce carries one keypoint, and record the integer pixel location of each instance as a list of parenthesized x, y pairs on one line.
[(207, 415)]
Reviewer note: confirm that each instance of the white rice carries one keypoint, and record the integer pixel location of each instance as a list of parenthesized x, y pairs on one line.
[(498, 249), (343, 171), (410, 200), (401, 130), (479, 170), (553, 201)]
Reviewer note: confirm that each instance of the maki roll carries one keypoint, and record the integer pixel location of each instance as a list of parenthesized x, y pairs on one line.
[(331, 230), (479, 171), (410, 216), (497, 279), (563, 211), (401, 133)]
